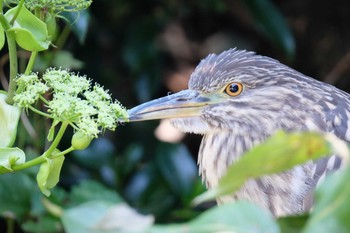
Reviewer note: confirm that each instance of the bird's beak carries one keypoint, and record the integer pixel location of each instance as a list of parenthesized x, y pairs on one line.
[(187, 103)]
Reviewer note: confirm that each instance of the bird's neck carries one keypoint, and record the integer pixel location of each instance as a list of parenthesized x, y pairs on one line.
[(219, 150)]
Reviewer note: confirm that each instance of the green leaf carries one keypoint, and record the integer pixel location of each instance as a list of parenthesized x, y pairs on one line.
[(279, 153), (49, 174), (178, 168), (272, 23), (9, 116), (79, 23), (51, 25), (10, 157), (292, 224), (89, 190), (58, 58), (331, 211), (104, 217), (43, 224), (238, 217), (30, 32), (67, 60), (16, 191)]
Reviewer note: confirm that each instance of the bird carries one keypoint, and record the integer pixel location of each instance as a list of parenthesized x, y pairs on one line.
[(237, 99)]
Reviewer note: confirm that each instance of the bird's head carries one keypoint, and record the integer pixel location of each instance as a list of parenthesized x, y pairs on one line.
[(237, 91)]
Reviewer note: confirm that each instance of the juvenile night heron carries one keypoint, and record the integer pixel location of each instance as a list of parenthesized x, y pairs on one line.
[(236, 100)]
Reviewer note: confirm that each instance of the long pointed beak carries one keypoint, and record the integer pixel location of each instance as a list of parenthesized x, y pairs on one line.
[(185, 103)]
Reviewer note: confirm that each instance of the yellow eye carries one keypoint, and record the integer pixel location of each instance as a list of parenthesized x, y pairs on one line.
[(234, 89)]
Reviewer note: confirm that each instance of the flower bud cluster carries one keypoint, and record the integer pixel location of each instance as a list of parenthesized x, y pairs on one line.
[(55, 5), (88, 108)]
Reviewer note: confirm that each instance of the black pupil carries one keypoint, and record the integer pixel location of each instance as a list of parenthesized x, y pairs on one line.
[(234, 88)]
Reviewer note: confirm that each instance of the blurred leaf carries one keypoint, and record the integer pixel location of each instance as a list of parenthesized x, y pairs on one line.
[(292, 224), (10, 157), (79, 23), (104, 217), (16, 190), (331, 211), (280, 152), (272, 23), (131, 157), (44, 224), (9, 116), (238, 217), (118, 217), (89, 190), (65, 59), (58, 58), (147, 191), (139, 183), (178, 168), (98, 153), (30, 32)]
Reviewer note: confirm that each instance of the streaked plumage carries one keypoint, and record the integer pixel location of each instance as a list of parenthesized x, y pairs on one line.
[(274, 97)]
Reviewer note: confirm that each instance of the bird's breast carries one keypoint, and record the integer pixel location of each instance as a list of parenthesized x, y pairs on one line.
[(218, 150)]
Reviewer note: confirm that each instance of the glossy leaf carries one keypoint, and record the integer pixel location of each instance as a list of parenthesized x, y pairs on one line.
[(281, 152), (9, 116), (102, 216), (272, 23), (238, 217), (30, 32), (331, 211), (10, 157), (49, 174)]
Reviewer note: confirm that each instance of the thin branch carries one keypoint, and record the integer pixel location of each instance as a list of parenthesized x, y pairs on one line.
[(340, 68)]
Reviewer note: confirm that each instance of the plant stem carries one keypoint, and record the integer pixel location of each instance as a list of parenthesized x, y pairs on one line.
[(57, 139), (44, 100), (30, 163), (31, 62), (63, 37), (39, 112), (10, 225), (19, 7), (42, 158), (66, 151), (11, 43), (1, 6), (13, 66)]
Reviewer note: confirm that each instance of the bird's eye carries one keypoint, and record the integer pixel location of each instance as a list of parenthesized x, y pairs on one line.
[(234, 89)]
